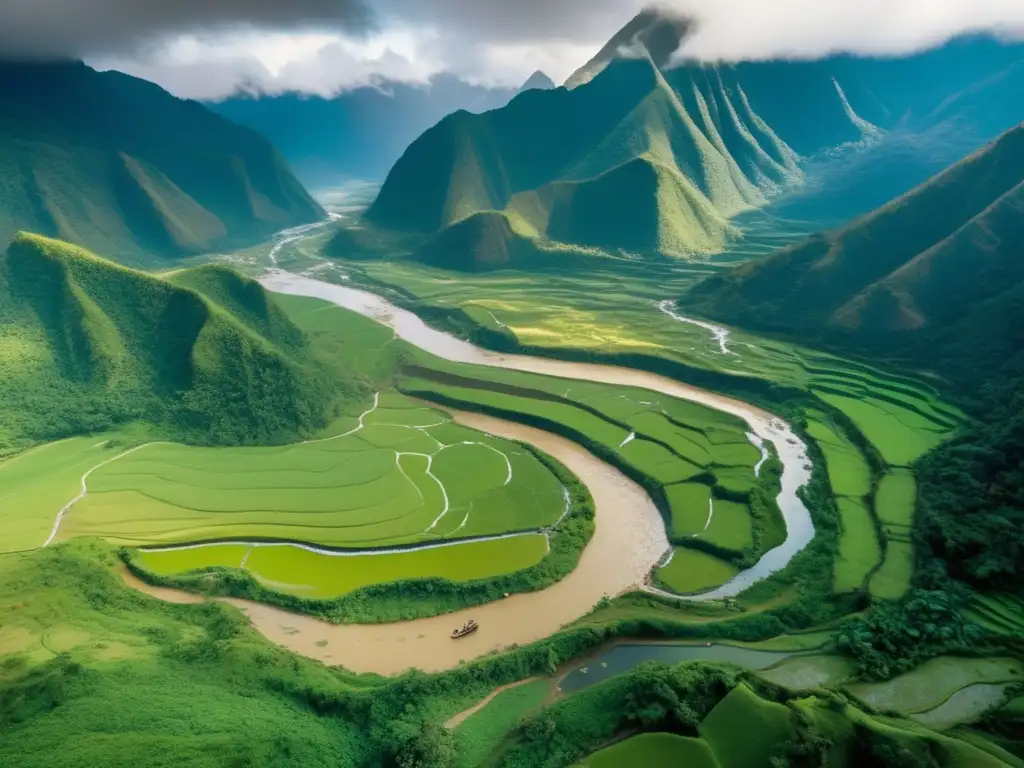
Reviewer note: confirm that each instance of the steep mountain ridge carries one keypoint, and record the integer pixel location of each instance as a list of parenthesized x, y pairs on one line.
[(627, 126), (688, 148), (936, 275), (203, 352), (117, 164)]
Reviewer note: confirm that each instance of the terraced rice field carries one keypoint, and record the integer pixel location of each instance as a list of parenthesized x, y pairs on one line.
[(859, 550), (298, 571), (932, 683), (617, 311), (404, 474), (1002, 613), (688, 450)]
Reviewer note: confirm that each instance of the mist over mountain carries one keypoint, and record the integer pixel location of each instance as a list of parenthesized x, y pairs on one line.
[(119, 165), (360, 133), (648, 157)]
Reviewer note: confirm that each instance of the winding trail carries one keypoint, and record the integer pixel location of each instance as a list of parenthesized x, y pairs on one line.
[(85, 489), (456, 720)]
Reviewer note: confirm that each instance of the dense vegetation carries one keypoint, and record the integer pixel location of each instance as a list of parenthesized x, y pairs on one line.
[(203, 355), (971, 511), (120, 166)]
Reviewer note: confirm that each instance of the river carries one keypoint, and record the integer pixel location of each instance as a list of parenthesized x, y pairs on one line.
[(629, 540)]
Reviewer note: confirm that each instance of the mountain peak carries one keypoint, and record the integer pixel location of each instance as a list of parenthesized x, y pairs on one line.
[(655, 32), (538, 80)]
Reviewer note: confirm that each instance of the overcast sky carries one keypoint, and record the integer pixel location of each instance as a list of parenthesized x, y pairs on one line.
[(210, 48)]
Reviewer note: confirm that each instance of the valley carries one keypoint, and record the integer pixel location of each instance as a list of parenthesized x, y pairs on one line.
[(672, 415)]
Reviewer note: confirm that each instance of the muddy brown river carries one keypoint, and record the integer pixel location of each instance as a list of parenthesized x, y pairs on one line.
[(629, 539)]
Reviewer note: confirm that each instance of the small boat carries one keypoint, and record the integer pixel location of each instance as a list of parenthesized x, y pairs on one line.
[(468, 628)]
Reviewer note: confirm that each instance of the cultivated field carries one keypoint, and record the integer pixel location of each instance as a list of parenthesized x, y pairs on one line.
[(405, 474), (302, 572), (699, 463)]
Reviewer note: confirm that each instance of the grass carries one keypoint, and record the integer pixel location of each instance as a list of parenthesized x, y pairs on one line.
[(382, 484), (36, 484), (657, 750), (296, 571), (892, 580), (764, 725), (691, 570), (859, 550), (895, 500), (481, 733), (848, 471), (901, 435)]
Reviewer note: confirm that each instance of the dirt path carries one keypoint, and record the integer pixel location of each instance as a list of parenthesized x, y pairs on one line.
[(456, 720)]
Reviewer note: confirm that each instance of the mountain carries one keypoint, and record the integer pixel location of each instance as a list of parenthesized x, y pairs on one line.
[(360, 133), (936, 276), (202, 352), (538, 80), (654, 161), (119, 165), (652, 33)]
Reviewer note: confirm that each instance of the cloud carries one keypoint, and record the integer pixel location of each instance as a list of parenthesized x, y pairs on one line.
[(82, 27), (762, 29), (324, 46)]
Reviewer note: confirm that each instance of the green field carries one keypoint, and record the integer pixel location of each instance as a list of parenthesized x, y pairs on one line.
[(859, 549), (848, 471), (405, 474), (481, 733), (894, 502), (930, 684), (686, 449), (303, 573), (654, 750), (691, 570), (764, 725), (892, 580)]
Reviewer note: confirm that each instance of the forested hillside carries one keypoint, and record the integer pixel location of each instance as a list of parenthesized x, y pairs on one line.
[(205, 354), (935, 277), (118, 165)]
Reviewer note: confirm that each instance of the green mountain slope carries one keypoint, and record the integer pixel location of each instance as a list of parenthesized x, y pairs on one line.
[(562, 159), (655, 157), (204, 353), (936, 275), (118, 165)]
